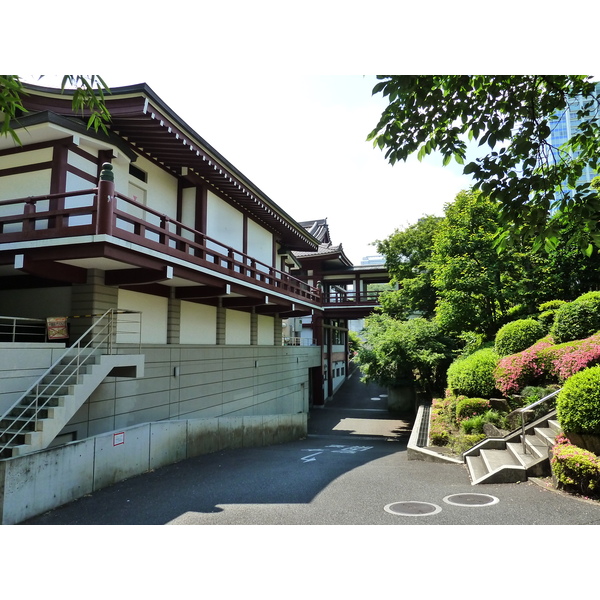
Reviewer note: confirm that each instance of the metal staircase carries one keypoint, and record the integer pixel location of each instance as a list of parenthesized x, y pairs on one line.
[(521, 454), (39, 415)]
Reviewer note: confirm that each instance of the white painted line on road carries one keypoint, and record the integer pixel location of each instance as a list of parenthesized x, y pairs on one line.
[(333, 448), (310, 458)]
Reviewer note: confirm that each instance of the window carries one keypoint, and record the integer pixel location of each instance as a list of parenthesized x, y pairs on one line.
[(138, 173)]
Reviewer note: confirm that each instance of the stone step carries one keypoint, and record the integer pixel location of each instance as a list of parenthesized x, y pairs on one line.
[(516, 449), (476, 467), (554, 424), (537, 446), (495, 459), (547, 434)]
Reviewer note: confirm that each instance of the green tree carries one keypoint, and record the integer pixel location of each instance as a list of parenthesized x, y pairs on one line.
[(476, 286), (88, 95), (396, 351), (407, 255), (534, 183)]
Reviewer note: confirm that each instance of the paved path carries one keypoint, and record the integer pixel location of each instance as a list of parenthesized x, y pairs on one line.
[(352, 469)]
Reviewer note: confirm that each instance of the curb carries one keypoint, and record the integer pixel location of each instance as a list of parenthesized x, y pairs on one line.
[(417, 448)]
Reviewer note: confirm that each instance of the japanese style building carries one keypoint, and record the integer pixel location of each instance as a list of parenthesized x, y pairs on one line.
[(145, 257)]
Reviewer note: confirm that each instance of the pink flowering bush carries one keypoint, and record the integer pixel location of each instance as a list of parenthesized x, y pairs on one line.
[(528, 367), (567, 359), (545, 362)]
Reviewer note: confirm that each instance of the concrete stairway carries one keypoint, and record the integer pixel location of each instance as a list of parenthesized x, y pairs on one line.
[(502, 460), (41, 414)]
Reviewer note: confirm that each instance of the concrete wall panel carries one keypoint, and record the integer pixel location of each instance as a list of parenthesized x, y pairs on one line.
[(43, 480), (167, 443), (118, 458)]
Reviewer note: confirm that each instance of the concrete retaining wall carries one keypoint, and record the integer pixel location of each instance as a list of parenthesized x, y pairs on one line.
[(38, 482)]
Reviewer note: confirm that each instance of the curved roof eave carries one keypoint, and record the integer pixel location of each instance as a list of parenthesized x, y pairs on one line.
[(148, 124)]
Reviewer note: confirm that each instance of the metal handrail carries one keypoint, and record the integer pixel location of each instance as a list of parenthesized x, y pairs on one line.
[(100, 334), (528, 409), (299, 341), (17, 326)]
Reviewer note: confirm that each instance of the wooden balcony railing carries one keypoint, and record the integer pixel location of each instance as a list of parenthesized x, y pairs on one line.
[(100, 211), (350, 298)]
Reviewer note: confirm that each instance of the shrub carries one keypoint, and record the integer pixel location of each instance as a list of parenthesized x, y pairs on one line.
[(517, 336), (524, 368), (578, 403), (548, 313), (473, 375), (575, 469), (564, 360), (473, 425), (471, 407), (578, 319), (462, 443)]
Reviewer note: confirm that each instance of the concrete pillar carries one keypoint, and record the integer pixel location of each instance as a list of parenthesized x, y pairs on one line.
[(174, 320), (253, 328), (90, 300), (221, 324), (277, 330)]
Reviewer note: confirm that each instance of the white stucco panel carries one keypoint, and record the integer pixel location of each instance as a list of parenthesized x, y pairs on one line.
[(260, 243), (224, 223), (237, 327), (198, 324), (154, 311)]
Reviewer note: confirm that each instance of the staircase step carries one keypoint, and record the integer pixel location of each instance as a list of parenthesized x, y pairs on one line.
[(547, 434), (516, 449), (495, 459), (476, 467), (537, 446), (553, 424), (19, 422)]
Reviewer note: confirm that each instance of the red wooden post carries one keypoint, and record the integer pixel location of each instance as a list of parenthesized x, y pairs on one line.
[(106, 198), (29, 210)]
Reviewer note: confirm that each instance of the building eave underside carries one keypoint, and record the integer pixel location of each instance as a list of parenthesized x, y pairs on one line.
[(150, 127)]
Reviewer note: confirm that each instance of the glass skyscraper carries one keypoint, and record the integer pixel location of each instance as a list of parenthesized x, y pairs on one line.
[(567, 125)]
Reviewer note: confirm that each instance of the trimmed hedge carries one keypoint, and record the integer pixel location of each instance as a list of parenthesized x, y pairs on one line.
[(518, 335), (578, 403), (473, 375), (578, 319), (575, 469)]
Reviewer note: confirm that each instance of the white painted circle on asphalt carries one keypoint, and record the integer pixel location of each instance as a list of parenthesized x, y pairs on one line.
[(471, 500), (412, 508)]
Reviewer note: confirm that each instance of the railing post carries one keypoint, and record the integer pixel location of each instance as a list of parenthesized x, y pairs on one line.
[(29, 211), (106, 193)]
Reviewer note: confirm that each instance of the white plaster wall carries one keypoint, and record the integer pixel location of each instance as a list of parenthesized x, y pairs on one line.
[(28, 157), (237, 328), (154, 317), (188, 211), (74, 183), (224, 223), (21, 185), (161, 188), (198, 324), (82, 163), (260, 243), (266, 330)]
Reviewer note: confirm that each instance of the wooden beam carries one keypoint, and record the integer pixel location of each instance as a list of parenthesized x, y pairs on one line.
[(245, 302), (129, 277), (48, 269), (199, 292)]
